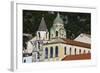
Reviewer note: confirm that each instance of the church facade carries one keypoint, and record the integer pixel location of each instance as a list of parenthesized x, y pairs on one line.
[(54, 45)]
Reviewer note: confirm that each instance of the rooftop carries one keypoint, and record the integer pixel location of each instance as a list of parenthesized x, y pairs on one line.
[(70, 42), (58, 19), (77, 43), (42, 26), (83, 37), (77, 57)]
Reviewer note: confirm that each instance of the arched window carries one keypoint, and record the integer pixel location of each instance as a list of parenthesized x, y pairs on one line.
[(88, 52), (75, 51), (46, 53), (56, 33), (84, 51), (39, 45), (64, 50), (51, 52), (80, 51), (56, 51), (46, 35), (39, 34), (52, 35), (38, 56), (70, 50), (24, 60)]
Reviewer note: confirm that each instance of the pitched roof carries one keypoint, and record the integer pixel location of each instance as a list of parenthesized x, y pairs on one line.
[(83, 37), (42, 26), (71, 42), (77, 43), (77, 57)]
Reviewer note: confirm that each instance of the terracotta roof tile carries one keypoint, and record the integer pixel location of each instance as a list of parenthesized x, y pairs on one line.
[(72, 42), (77, 57), (77, 43)]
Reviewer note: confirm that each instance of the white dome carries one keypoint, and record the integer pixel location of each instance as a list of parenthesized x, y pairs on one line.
[(58, 20)]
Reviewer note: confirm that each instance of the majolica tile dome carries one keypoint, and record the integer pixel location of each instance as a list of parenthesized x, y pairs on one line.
[(58, 19)]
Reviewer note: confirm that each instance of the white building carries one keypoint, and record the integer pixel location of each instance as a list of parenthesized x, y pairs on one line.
[(27, 59), (83, 37)]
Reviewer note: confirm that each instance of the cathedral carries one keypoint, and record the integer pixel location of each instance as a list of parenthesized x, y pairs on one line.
[(54, 45)]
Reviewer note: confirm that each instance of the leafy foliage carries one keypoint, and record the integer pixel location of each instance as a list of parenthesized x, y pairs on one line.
[(74, 23)]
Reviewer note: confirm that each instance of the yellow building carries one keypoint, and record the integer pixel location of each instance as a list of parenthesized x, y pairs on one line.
[(59, 48)]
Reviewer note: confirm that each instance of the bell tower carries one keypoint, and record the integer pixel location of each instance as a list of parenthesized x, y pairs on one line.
[(58, 30), (42, 33), (42, 37)]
